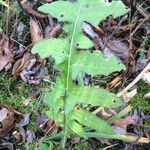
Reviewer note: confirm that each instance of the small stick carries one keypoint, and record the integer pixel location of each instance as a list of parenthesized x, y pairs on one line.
[(134, 81)]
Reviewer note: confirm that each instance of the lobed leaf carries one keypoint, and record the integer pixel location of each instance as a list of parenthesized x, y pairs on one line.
[(90, 120), (65, 95), (92, 96), (93, 64)]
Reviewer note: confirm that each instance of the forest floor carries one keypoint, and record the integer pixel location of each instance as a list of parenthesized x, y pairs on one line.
[(21, 93)]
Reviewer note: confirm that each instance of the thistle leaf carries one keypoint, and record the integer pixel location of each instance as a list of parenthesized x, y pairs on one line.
[(76, 13), (92, 96), (72, 63), (90, 120), (93, 64)]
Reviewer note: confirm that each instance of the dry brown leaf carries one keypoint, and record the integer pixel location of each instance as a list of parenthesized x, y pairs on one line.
[(7, 119), (26, 7), (123, 123), (21, 64), (35, 31), (6, 54)]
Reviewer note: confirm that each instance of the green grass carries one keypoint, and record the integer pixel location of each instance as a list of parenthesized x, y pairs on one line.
[(13, 91), (139, 101)]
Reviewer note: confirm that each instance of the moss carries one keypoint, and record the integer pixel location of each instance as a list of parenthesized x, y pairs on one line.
[(139, 101), (13, 91)]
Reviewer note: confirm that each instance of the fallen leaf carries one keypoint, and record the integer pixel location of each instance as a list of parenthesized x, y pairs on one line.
[(21, 64), (3, 114), (35, 31), (119, 130), (41, 120), (25, 121), (141, 64), (6, 53), (7, 119), (30, 136), (123, 123), (28, 9)]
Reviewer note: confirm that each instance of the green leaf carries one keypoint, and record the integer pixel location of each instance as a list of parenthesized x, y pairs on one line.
[(44, 147), (92, 96), (92, 11), (52, 47), (88, 119), (93, 64), (72, 63)]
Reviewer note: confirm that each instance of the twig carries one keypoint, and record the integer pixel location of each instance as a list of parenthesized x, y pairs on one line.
[(146, 18), (110, 146), (134, 81)]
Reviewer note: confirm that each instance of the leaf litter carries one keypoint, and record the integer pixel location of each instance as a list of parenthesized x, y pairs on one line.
[(113, 41)]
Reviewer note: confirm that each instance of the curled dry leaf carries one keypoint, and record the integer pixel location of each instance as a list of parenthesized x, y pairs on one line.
[(21, 64), (6, 54), (26, 7), (31, 69), (7, 119), (35, 31)]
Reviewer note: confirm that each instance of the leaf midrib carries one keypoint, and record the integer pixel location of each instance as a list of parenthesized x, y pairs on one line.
[(71, 48), (69, 66)]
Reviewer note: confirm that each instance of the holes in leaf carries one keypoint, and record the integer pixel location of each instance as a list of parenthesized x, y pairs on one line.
[(62, 15), (108, 1), (77, 45), (114, 101)]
